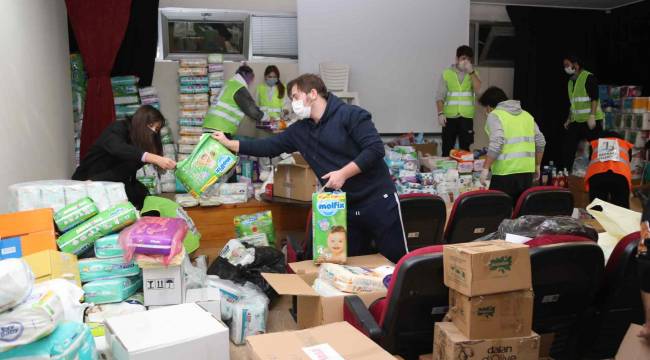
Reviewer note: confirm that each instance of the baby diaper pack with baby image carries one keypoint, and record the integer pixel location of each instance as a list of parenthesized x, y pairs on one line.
[(329, 227)]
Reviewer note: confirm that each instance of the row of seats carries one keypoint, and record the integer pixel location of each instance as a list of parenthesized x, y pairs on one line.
[(584, 303)]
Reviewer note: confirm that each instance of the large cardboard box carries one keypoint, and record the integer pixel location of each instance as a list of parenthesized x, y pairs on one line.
[(633, 347), (207, 298), (183, 331), (163, 285), (295, 181), (430, 149), (313, 309), (487, 267), (502, 315), (50, 264), (333, 341), (450, 344), (26, 232)]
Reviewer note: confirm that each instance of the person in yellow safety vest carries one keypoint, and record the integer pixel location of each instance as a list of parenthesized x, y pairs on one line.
[(584, 121), (271, 93), (235, 102), (455, 101), (516, 145)]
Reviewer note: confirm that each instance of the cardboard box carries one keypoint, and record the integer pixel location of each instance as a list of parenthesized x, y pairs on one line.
[(295, 181), (207, 298), (322, 342), (313, 309), (632, 347), (26, 232), (487, 267), (450, 344), (163, 285), (183, 331), (50, 264), (430, 149), (503, 315)]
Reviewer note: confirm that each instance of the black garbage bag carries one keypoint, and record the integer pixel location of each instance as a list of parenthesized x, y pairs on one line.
[(267, 260), (536, 225)]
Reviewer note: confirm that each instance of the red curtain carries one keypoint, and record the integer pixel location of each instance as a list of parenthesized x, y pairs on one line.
[(99, 27)]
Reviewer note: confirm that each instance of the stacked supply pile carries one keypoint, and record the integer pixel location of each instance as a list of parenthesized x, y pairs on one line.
[(78, 99), (125, 95), (40, 321), (193, 89), (215, 76), (490, 303), (149, 96)]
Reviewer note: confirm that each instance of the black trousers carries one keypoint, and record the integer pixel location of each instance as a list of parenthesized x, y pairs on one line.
[(610, 187), (461, 128), (513, 185), (576, 133)]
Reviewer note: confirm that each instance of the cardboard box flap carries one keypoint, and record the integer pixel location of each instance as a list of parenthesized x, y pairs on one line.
[(26, 222), (40, 263), (371, 261), (633, 347), (289, 284), (300, 161), (485, 246)]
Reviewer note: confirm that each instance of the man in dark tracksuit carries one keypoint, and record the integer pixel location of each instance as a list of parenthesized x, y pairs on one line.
[(643, 264), (342, 146)]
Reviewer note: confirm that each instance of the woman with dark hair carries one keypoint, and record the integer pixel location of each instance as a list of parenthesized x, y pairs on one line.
[(270, 93), (123, 148), (235, 102)]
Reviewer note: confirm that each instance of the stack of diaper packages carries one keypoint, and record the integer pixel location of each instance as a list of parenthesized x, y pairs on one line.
[(40, 321), (149, 96), (194, 95), (215, 76), (78, 76), (149, 177), (125, 95)]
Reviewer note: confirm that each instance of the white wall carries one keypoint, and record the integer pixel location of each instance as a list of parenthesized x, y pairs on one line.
[(253, 5), (396, 52), (488, 13), (35, 94)]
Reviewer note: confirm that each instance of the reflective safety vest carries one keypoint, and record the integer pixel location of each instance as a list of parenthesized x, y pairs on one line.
[(225, 115), (580, 100), (518, 153), (609, 154), (170, 209), (460, 97), (273, 106)]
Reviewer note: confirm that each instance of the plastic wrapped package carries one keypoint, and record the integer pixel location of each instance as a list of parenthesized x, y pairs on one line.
[(249, 316), (122, 111), (75, 192), (233, 193), (100, 312), (148, 91), (254, 240), (16, 282), (124, 90), (59, 193), (108, 247), (185, 148), (213, 68), (97, 192), (188, 140), (69, 341), (196, 276), (168, 187), (70, 295), (74, 214), (261, 222), (111, 290), (194, 89), (154, 236), (237, 254), (215, 58), (230, 294), (536, 225), (191, 98), (186, 200), (125, 100), (168, 176), (196, 71), (169, 149), (54, 196), (190, 130), (192, 113), (351, 279), (150, 100), (323, 288), (217, 75), (79, 239), (190, 122), (194, 106), (101, 269), (216, 83), (34, 319), (193, 80), (124, 80), (193, 63)]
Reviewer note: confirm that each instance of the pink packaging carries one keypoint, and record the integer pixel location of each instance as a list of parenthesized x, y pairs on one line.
[(215, 67), (154, 236)]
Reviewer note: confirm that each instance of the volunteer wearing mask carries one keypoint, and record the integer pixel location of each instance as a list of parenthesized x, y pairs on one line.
[(609, 176), (516, 145), (234, 102), (122, 149), (270, 93), (585, 115), (342, 146), (455, 101)]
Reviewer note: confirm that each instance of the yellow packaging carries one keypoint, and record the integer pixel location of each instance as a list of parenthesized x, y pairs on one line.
[(50, 264)]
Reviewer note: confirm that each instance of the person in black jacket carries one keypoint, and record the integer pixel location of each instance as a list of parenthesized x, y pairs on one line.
[(342, 146), (123, 148)]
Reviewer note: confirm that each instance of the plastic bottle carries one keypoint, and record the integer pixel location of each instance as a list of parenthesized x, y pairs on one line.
[(545, 179)]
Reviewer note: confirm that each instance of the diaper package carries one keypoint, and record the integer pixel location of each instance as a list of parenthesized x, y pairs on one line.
[(233, 193), (215, 59), (237, 254), (208, 162), (96, 314), (249, 317), (192, 98), (79, 239), (215, 68), (193, 89), (16, 282), (111, 290), (230, 293), (329, 227), (154, 236), (70, 341), (186, 200), (190, 130), (70, 295), (196, 71), (193, 63), (74, 214), (261, 222), (36, 318), (193, 80), (324, 288), (352, 279), (189, 140), (254, 240), (124, 80), (190, 122), (101, 269)]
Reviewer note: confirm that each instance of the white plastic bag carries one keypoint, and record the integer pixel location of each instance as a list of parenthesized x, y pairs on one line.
[(230, 293), (237, 254), (618, 222), (249, 317), (70, 295), (16, 282)]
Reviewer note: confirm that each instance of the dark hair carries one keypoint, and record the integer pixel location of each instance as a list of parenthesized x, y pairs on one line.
[(574, 59), (307, 83), (610, 134), (141, 135), (492, 96), (337, 228), (274, 69), (465, 50), (245, 71)]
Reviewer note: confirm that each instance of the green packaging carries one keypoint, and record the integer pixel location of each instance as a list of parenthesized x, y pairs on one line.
[(74, 214), (115, 218), (329, 227), (108, 247), (261, 222), (208, 162), (91, 269)]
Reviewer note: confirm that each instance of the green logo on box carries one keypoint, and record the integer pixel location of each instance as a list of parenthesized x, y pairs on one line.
[(501, 264), (487, 311), (458, 271)]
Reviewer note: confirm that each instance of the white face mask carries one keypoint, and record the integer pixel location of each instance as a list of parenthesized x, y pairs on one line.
[(569, 70), (300, 109)]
